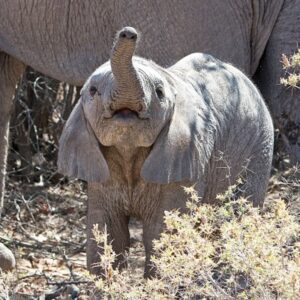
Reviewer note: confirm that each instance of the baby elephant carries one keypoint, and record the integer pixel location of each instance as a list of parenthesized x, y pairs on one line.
[(140, 132)]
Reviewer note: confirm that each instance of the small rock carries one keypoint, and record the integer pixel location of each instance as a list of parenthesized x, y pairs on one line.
[(7, 259)]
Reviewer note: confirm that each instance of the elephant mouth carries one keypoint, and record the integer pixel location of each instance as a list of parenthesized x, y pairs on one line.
[(125, 114)]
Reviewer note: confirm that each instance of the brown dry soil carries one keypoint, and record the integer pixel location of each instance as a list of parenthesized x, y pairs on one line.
[(45, 228)]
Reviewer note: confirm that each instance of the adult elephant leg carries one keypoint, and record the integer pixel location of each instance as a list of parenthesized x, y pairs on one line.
[(284, 102), (104, 215), (10, 71)]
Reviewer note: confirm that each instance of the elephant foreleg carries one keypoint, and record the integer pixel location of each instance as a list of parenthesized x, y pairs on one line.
[(151, 231), (10, 71), (171, 197), (284, 102), (105, 216), (118, 235)]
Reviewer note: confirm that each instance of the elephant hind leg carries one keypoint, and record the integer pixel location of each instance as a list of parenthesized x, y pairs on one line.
[(283, 102), (10, 71), (257, 175)]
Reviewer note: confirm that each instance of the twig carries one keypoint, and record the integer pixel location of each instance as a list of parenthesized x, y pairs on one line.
[(40, 245), (37, 245), (28, 208), (69, 265), (62, 283), (37, 274), (218, 287), (19, 243), (27, 234), (17, 206), (50, 281)]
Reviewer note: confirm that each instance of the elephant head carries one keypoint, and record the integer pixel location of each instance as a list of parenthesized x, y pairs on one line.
[(130, 102)]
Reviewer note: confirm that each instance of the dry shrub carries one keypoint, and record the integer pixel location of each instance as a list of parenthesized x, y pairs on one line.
[(291, 65), (231, 251), (42, 105)]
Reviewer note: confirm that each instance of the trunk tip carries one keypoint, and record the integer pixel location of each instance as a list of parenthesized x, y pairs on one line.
[(127, 33)]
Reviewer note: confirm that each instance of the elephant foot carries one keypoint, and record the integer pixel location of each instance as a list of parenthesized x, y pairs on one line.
[(7, 259)]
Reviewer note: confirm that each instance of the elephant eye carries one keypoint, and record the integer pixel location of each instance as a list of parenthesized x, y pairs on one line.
[(93, 91), (159, 92)]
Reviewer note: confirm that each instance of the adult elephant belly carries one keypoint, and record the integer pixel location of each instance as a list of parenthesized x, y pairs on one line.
[(67, 40)]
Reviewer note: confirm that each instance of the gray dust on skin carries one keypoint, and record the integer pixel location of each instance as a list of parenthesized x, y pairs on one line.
[(140, 132)]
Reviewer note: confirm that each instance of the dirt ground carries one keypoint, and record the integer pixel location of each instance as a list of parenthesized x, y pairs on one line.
[(45, 227)]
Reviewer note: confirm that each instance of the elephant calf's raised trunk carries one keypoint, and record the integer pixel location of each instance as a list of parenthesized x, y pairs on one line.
[(128, 90)]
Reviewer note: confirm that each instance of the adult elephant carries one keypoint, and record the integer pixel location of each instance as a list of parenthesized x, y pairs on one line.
[(67, 40)]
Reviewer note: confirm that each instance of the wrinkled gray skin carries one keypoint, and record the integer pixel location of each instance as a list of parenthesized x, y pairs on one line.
[(69, 39), (140, 132)]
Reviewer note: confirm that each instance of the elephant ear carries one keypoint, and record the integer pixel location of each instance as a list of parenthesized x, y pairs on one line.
[(79, 150), (183, 148), (178, 154)]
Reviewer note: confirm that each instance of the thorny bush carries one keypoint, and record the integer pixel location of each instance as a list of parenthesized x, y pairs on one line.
[(231, 251)]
